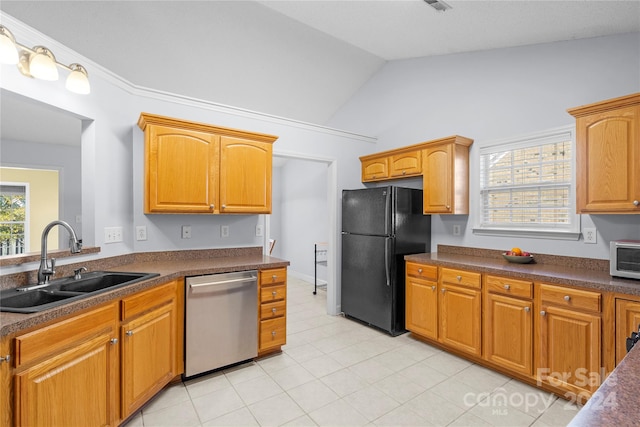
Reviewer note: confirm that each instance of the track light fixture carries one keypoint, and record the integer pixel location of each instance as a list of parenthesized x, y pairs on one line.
[(40, 63)]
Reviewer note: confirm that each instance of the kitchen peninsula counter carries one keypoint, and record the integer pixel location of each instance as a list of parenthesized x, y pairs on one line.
[(561, 270), (169, 266)]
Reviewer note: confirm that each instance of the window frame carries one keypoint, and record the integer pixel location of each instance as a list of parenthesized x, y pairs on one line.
[(27, 213), (572, 232)]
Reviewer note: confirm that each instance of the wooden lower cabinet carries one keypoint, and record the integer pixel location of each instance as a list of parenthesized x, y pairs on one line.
[(272, 301), (460, 318), (508, 336), (421, 305), (569, 331), (149, 345), (627, 321), (508, 323), (67, 373)]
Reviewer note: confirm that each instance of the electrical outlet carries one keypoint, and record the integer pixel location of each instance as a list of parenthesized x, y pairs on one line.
[(141, 232), (590, 235), (224, 231), (259, 231), (186, 231), (456, 230)]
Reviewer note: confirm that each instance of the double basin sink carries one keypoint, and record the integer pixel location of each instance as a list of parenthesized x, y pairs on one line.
[(67, 289)]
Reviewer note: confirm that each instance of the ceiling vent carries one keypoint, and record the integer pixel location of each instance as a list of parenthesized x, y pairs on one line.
[(438, 5)]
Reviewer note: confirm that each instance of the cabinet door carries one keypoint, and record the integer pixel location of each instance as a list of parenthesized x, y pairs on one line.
[(148, 356), (182, 170), (406, 164), (375, 169), (569, 349), (460, 310), (627, 321), (508, 333), (608, 161), (437, 179), (76, 387), (422, 307), (245, 176)]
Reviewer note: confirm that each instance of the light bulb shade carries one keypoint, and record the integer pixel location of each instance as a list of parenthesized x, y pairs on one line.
[(8, 48), (43, 64), (78, 80)]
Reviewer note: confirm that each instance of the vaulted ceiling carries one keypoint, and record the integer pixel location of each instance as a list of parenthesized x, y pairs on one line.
[(300, 59)]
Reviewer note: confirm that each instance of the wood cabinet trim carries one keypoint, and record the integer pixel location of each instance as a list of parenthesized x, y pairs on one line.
[(607, 105)]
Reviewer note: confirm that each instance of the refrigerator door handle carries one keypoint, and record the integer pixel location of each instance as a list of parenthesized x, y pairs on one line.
[(386, 260), (387, 213)]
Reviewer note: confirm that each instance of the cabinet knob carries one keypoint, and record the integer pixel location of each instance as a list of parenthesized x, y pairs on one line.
[(459, 278), (273, 310), (527, 309), (443, 290), (448, 207), (420, 270), (404, 172), (5, 358), (224, 206), (636, 203), (114, 341), (129, 333), (507, 287), (273, 333), (543, 313), (212, 206), (433, 288), (567, 298), (274, 277), (274, 293)]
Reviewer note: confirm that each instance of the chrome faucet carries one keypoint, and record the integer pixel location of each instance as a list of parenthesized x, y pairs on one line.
[(46, 270)]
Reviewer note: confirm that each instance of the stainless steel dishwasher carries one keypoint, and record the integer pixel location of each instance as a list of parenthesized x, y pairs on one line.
[(221, 320)]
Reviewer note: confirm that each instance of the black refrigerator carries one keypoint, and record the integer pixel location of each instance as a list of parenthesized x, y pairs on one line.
[(379, 226)]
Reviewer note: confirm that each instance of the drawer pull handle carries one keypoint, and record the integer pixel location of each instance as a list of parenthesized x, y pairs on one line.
[(273, 310), (543, 313), (5, 358), (129, 333), (420, 270), (567, 298), (507, 287), (404, 172), (114, 341), (433, 288), (459, 278), (212, 206), (274, 277), (273, 333), (527, 309), (448, 207), (636, 203), (443, 290), (274, 293)]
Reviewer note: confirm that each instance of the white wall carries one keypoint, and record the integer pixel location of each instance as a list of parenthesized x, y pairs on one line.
[(492, 95)]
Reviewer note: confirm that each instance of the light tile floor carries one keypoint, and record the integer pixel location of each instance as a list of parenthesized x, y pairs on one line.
[(336, 372)]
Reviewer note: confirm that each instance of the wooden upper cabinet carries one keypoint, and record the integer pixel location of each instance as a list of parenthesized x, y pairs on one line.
[(182, 170), (374, 169), (445, 174), (406, 164), (198, 168), (245, 176), (608, 156)]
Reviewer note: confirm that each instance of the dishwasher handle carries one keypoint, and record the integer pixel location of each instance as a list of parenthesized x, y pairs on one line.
[(222, 282)]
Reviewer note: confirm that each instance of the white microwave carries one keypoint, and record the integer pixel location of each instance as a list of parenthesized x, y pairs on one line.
[(624, 260)]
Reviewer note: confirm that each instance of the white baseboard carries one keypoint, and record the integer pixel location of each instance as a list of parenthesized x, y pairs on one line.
[(306, 277)]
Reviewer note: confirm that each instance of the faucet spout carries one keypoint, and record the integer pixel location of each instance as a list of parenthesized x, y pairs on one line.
[(46, 270)]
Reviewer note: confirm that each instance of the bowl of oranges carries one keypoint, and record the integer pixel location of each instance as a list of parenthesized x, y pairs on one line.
[(518, 256)]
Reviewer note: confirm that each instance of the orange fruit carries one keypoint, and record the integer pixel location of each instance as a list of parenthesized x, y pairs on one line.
[(516, 251)]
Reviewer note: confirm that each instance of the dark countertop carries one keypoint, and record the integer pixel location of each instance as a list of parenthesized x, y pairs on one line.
[(549, 269), (170, 266), (615, 402)]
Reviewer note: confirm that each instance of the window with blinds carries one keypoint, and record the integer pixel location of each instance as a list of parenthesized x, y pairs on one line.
[(527, 185)]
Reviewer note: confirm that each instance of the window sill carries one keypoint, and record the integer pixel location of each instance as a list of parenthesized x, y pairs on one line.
[(533, 234)]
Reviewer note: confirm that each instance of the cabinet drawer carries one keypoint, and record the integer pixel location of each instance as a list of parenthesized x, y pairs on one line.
[(273, 309), (461, 278), (53, 338), (273, 332), (507, 286), (143, 301), (567, 297), (277, 275), (422, 271), (273, 293)]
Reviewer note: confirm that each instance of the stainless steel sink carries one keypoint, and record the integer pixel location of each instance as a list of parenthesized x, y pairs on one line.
[(65, 290)]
